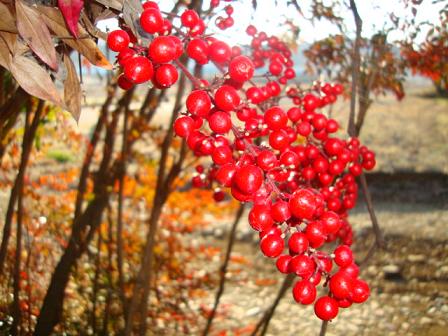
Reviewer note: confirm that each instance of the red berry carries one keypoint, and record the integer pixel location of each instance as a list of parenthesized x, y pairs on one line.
[(280, 211), (220, 122), (225, 174), (343, 256), (222, 155), (326, 308), (241, 69), (166, 75), (118, 40), (351, 270), (279, 140), (198, 50), (303, 204), (303, 266), (150, 4), (199, 103), (227, 98), (162, 49), (341, 285), (125, 55), (151, 20), (219, 52), (275, 118), (249, 178), (189, 18), (282, 263), (272, 245), (315, 232), (124, 82), (298, 243), (304, 292), (183, 126), (360, 291), (138, 69), (260, 218), (331, 221)]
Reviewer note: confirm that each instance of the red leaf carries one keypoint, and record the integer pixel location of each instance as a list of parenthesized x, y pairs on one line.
[(71, 9)]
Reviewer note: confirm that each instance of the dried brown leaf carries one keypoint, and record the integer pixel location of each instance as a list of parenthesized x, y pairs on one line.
[(7, 46), (34, 79), (34, 31), (114, 4), (72, 89), (85, 46), (131, 12), (7, 22)]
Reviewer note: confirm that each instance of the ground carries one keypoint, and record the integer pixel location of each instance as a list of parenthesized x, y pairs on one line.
[(408, 278)]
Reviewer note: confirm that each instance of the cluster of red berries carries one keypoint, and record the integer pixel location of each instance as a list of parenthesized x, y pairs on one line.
[(289, 162)]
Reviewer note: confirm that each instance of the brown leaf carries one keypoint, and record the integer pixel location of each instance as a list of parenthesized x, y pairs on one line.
[(34, 79), (7, 22), (7, 46), (114, 4), (36, 34), (72, 89), (131, 12), (85, 46)]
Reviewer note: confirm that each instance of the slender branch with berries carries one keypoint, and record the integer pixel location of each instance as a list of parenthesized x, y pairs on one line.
[(267, 142)]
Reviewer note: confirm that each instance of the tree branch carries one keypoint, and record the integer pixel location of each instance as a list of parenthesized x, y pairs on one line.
[(223, 268)]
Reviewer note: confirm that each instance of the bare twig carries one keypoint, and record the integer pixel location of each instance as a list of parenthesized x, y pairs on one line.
[(223, 269), (355, 68), (264, 321)]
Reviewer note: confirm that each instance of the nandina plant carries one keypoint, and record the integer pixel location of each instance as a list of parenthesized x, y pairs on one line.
[(268, 144)]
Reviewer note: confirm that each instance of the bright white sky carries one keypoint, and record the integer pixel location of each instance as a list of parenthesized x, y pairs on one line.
[(269, 17)]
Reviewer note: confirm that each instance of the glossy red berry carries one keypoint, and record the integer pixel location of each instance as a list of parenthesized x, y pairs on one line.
[(241, 68), (260, 218), (303, 204), (298, 243), (220, 122), (183, 126), (138, 69), (225, 174), (360, 291), (302, 265), (124, 83), (227, 98), (282, 263), (331, 222), (315, 232), (198, 50), (248, 178), (199, 103), (162, 49), (341, 285), (189, 18), (222, 155), (275, 118), (304, 292), (118, 40), (280, 211), (151, 20), (343, 256), (326, 308), (272, 245), (166, 75), (219, 52)]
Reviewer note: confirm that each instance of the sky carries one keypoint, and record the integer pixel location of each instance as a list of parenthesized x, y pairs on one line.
[(269, 17)]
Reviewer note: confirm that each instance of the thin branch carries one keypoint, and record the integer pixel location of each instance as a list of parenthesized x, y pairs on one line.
[(264, 321), (355, 68), (323, 328), (223, 269)]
